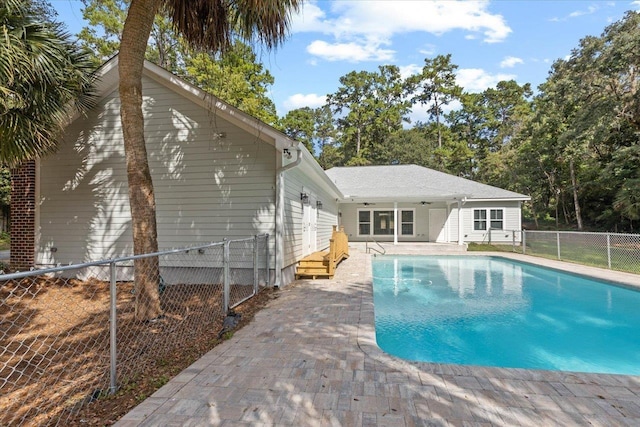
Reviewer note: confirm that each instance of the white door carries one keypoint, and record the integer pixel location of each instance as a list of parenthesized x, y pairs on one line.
[(437, 220), (309, 228)]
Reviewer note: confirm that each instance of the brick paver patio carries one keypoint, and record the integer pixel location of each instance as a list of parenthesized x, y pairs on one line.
[(310, 359)]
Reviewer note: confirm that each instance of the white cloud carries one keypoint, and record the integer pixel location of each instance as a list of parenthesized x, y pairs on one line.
[(351, 52), (590, 10), (428, 50), (409, 70), (636, 4), (510, 62), (300, 100), (372, 25), (477, 80)]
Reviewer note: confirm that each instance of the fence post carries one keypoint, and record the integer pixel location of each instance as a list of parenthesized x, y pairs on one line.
[(513, 240), (266, 267), (609, 250), (255, 265), (558, 242), (113, 351), (226, 285), (489, 235), (524, 242)]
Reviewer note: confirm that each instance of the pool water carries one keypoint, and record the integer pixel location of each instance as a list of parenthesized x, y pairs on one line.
[(490, 311)]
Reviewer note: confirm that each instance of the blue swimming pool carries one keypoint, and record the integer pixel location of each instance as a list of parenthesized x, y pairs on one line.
[(490, 311)]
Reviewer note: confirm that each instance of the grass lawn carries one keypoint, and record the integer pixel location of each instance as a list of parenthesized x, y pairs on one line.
[(623, 257), (485, 247), (4, 241)]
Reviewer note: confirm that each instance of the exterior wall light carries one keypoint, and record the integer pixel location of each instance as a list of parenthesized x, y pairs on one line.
[(319, 204), (304, 197)]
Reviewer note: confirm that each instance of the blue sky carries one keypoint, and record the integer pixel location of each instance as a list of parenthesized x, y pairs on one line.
[(488, 40)]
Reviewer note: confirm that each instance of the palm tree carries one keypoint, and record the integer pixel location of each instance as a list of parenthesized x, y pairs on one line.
[(206, 24), (42, 74)]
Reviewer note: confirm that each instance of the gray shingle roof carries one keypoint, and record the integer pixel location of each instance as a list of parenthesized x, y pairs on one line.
[(411, 181)]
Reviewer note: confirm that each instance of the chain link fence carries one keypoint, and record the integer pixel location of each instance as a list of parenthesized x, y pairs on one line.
[(71, 335), (609, 250)]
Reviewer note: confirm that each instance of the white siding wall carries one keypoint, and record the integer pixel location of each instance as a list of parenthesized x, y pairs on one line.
[(207, 188), (296, 182), (512, 221)]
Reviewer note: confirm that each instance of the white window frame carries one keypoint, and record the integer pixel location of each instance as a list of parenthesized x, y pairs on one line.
[(358, 221), (413, 222), (371, 220), (488, 219)]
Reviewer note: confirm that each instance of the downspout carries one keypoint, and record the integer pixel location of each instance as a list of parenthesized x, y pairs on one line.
[(280, 187)]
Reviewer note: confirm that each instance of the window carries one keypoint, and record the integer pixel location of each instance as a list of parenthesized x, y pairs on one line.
[(479, 219), (496, 219), (406, 221), (364, 222), (497, 222), (383, 223)]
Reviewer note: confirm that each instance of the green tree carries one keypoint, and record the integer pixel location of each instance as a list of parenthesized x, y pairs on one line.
[(42, 72), (106, 21), (436, 87), (585, 128), (235, 77), (352, 102), (370, 106), (299, 124), (325, 138), (209, 25), (315, 129)]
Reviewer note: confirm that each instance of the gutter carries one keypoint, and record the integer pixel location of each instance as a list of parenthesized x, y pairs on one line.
[(279, 238)]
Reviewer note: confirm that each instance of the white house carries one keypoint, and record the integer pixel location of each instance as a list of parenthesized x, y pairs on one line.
[(409, 203), (219, 173)]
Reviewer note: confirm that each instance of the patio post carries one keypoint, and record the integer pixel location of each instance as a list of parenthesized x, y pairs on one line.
[(460, 224), (395, 223)]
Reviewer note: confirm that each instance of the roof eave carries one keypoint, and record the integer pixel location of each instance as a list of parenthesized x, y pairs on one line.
[(500, 199)]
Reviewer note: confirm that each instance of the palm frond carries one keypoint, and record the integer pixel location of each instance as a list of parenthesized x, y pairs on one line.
[(211, 25), (44, 78)]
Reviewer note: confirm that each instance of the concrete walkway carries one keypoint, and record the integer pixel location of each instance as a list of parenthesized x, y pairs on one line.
[(310, 359)]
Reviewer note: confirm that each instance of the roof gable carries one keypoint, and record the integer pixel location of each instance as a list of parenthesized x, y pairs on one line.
[(411, 182), (108, 82)]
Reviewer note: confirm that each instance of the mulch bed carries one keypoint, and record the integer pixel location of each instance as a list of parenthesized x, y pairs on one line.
[(54, 346)]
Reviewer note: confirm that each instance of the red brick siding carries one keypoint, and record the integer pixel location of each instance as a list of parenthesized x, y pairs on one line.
[(23, 216)]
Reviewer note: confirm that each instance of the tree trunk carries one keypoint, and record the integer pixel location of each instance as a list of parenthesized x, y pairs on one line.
[(565, 211), (534, 213), (438, 127), (135, 36), (576, 202)]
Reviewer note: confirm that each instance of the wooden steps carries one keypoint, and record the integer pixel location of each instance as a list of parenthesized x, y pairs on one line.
[(323, 264), (314, 266)]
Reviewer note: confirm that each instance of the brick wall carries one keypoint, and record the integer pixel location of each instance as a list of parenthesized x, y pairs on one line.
[(23, 216)]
